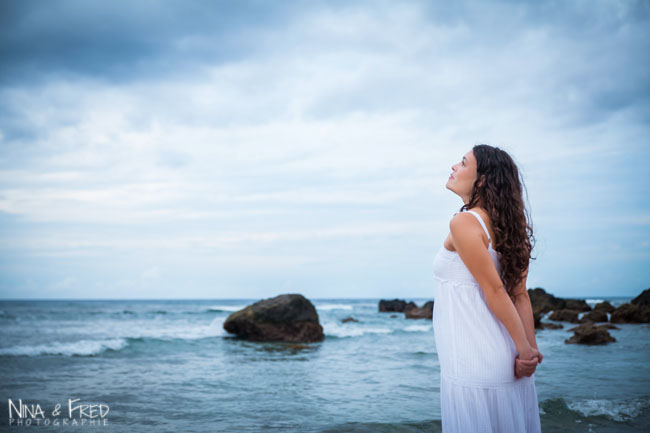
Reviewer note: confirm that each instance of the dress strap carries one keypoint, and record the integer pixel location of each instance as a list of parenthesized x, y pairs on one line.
[(481, 221)]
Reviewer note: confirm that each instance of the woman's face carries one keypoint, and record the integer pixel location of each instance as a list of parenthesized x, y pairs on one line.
[(463, 176)]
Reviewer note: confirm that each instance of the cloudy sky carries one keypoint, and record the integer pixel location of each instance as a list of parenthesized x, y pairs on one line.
[(246, 149)]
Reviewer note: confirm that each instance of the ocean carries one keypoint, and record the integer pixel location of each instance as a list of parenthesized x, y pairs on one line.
[(168, 366)]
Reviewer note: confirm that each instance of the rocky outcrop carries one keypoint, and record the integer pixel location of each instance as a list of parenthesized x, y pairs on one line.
[(349, 319), (643, 300), (290, 317), (543, 302), (590, 334), (396, 305), (546, 325), (594, 316), (631, 313), (604, 306), (579, 305), (608, 326), (537, 320), (425, 312), (564, 316)]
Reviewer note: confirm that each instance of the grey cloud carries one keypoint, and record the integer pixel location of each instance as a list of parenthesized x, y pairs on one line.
[(117, 40)]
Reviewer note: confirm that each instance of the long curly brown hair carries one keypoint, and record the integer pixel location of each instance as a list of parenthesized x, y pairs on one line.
[(500, 194)]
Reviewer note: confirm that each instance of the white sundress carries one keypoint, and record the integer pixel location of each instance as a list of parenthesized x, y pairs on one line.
[(478, 388)]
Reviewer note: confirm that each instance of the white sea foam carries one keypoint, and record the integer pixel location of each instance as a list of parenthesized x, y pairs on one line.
[(156, 328), (617, 410), (327, 307), (119, 334), (79, 348), (594, 301), (419, 328), (167, 331), (349, 330)]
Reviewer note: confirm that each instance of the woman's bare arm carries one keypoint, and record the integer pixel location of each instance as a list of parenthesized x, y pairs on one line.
[(467, 236), (525, 310)]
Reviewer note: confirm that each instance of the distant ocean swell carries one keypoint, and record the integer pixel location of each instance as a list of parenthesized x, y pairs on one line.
[(53, 314), (90, 347), (76, 348)]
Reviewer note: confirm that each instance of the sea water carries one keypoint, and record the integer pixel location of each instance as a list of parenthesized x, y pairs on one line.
[(169, 366)]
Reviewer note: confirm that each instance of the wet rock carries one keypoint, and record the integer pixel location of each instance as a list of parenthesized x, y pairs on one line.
[(594, 316), (564, 316), (396, 305), (602, 326), (546, 325), (590, 334), (289, 317), (577, 304), (609, 326), (631, 313), (604, 306), (643, 299), (349, 319), (298, 346), (537, 320), (425, 312), (543, 302)]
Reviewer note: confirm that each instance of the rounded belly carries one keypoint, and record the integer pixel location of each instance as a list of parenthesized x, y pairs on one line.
[(472, 344)]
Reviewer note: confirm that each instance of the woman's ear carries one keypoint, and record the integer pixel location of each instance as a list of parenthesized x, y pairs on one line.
[(480, 183)]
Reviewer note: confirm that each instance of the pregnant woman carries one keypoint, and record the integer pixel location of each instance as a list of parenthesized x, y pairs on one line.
[(482, 316)]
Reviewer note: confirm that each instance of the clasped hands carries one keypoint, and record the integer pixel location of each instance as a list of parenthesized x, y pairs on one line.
[(525, 364)]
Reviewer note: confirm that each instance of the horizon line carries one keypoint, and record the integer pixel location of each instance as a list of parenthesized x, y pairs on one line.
[(257, 299)]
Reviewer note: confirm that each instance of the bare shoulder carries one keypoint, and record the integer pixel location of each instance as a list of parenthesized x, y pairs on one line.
[(465, 228), (462, 222)]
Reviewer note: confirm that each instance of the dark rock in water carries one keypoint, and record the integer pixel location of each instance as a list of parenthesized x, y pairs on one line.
[(577, 304), (298, 346), (564, 316), (397, 305), (608, 326), (290, 317), (594, 316), (349, 319), (426, 312), (604, 306), (643, 299), (543, 302), (546, 325), (590, 334), (392, 316), (537, 319), (411, 305), (631, 313)]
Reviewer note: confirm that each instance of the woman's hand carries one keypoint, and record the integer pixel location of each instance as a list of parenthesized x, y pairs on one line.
[(529, 352), (526, 361), (525, 368)]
